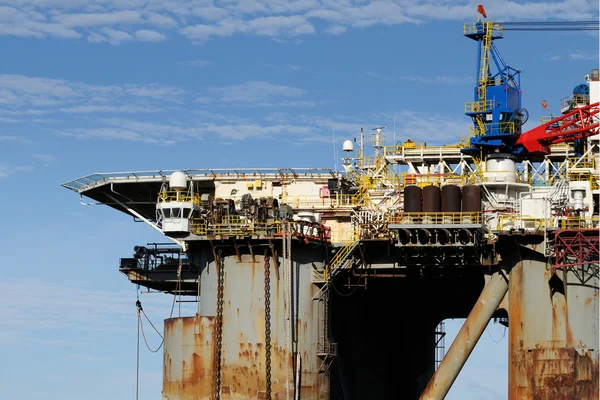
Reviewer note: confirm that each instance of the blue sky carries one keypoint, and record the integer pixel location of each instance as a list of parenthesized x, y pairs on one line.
[(107, 85)]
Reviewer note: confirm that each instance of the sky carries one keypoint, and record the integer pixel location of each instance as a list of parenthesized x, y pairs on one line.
[(106, 85)]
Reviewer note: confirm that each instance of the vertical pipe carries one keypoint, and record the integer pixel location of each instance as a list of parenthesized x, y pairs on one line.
[(462, 346)]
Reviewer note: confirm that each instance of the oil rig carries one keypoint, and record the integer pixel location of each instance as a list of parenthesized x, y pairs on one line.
[(317, 284)]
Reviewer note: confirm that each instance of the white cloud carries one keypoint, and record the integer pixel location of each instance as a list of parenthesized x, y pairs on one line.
[(7, 170), (583, 55), (436, 79), (149, 36), (202, 20), (51, 307), (254, 91), (100, 19), (46, 159), (196, 63), (161, 20), (23, 95)]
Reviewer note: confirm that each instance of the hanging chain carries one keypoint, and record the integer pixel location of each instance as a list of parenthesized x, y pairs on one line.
[(219, 325), (287, 244), (268, 325)]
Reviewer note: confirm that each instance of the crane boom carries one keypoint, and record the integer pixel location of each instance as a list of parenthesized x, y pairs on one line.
[(576, 124)]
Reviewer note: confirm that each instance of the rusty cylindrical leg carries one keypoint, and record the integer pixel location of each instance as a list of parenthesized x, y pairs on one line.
[(491, 296)]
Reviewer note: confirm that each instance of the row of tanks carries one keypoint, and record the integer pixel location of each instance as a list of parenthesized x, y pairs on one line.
[(449, 215), (447, 199)]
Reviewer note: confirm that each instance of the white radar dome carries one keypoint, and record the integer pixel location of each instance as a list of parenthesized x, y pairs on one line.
[(178, 180), (348, 145)]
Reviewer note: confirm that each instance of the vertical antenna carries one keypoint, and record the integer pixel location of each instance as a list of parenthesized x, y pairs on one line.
[(334, 153), (394, 131)]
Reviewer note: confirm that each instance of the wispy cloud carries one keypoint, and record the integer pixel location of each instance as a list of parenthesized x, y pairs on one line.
[(583, 55), (117, 22), (253, 91), (23, 95), (54, 306), (435, 79), (7, 170), (196, 63), (45, 159)]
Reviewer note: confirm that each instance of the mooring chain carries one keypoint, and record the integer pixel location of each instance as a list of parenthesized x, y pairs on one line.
[(268, 325), (219, 324)]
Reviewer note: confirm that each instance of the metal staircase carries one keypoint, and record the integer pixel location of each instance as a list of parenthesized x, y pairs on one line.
[(343, 259)]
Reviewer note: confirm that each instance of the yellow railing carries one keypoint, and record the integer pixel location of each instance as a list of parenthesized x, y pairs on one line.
[(579, 223), (584, 176), (502, 127), (316, 201), (341, 254), (470, 28), (409, 218), (173, 195), (233, 226), (577, 162), (423, 180), (547, 118), (574, 100), (516, 221), (199, 226), (478, 106)]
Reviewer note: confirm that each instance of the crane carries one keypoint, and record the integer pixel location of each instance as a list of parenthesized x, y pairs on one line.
[(574, 125), (497, 112)]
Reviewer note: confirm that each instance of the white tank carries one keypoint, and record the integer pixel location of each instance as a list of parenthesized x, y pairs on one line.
[(578, 190), (178, 181), (500, 168), (348, 145)]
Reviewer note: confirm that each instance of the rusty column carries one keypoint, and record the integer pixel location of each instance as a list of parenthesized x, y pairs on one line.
[(489, 300), (189, 350), (553, 331)]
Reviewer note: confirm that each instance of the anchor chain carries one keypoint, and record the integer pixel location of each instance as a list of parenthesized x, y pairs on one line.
[(268, 325), (219, 325)]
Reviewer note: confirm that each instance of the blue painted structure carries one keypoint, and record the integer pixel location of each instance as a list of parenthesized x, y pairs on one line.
[(499, 87)]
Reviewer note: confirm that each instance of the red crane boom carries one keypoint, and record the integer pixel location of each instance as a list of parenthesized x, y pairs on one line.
[(577, 124)]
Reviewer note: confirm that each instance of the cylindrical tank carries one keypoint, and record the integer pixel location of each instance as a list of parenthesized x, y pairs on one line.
[(451, 199), (431, 204), (471, 203), (431, 199), (412, 199), (500, 168), (451, 204), (471, 199)]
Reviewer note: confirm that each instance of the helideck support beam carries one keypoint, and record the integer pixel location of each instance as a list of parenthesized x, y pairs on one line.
[(468, 336)]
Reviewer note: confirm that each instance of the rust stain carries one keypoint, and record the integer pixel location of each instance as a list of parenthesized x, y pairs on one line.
[(561, 373), (189, 349)]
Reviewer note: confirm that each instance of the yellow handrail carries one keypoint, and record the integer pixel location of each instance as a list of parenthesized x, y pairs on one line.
[(579, 223), (517, 221), (171, 196), (341, 254), (410, 218)]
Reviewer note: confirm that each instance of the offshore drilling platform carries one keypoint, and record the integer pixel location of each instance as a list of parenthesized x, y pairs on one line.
[(321, 284)]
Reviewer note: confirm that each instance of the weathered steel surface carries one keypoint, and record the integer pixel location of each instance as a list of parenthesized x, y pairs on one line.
[(243, 370), (553, 334), (189, 352), (464, 343)]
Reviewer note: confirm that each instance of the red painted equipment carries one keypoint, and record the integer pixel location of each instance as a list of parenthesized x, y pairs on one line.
[(577, 124)]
